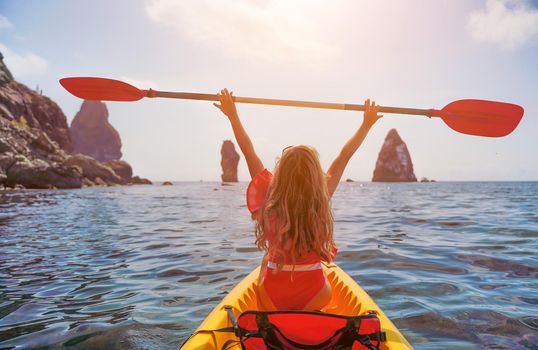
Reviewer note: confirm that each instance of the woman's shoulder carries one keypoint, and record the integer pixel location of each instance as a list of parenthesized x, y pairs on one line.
[(263, 176), (257, 190)]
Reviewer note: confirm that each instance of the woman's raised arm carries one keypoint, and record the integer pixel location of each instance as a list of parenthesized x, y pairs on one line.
[(339, 164), (227, 106)]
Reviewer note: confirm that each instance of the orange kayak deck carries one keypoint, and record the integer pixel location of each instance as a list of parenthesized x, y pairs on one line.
[(348, 299)]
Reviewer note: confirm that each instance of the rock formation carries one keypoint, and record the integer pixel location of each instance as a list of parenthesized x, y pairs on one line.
[(229, 161), (5, 74), (121, 167), (167, 183), (394, 162), (125, 172), (18, 102), (28, 157), (93, 135), (35, 145), (94, 171), (137, 180)]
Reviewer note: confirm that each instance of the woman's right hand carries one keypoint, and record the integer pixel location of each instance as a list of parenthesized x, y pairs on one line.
[(370, 113), (227, 104)]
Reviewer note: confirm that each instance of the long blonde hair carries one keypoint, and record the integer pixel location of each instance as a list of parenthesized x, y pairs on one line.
[(297, 208)]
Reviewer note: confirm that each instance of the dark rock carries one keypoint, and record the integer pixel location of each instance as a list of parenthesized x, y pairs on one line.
[(349, 180), (93, 135), (394, 162), (94, 170), (424, 179), (3, 177), (229, 161), (18, 102), (167, 183), (37, 173), (121, 168), (99, 182), (6, 158), (28, 157), (87, 182), (137, 180), (124, 170), (5, 74)]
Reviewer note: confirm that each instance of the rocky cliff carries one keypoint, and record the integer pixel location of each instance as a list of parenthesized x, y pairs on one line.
[(93, 135), (35, 145), (229, 161), (29, 158), (18, 102), (394, 162)]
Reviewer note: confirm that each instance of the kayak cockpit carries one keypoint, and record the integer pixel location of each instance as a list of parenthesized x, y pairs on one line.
[(348, 299)]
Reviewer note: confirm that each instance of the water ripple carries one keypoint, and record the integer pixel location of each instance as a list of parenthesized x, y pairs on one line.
[(453, 264)]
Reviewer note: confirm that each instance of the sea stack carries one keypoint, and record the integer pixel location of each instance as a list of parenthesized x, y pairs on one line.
[(229, 161), (394, 162), (93, 135)]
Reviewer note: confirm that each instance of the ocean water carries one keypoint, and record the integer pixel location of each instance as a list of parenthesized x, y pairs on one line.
[(454, 265)]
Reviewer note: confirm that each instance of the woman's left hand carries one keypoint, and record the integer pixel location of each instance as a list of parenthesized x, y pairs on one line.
[(227, 104)]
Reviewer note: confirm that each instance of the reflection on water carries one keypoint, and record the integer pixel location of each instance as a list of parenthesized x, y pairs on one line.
[(453, 264)]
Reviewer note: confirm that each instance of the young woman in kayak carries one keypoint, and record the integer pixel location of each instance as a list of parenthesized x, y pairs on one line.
[(292, 209)]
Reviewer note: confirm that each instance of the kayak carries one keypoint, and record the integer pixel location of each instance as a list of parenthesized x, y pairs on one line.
[(348, 299)]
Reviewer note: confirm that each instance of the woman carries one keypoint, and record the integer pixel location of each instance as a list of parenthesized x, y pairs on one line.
[(292, 210)]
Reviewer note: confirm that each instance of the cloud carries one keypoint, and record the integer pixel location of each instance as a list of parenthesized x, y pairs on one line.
[(510, 24), (4, 22), (266, 30), (23, 65)]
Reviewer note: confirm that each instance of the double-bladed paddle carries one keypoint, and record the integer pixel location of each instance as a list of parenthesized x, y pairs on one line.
[(473, 117)]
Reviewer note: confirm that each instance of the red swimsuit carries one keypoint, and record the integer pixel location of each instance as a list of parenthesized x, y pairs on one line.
[(288, 290)]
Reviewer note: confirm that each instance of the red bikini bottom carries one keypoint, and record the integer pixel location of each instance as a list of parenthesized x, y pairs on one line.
[(293, 294)]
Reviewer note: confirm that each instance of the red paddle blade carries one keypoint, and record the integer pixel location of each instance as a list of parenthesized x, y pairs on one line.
[(481, 117), (102, 89)]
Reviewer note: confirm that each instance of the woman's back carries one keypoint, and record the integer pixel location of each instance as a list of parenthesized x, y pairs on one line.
[(290, 280)]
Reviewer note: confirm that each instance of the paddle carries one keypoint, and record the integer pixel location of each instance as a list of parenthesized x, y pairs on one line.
[(473, 117)]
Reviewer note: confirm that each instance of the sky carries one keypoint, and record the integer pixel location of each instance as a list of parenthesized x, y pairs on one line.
[(418, 53)]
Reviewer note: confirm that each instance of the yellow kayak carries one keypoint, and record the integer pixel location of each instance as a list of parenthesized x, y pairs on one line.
[(349, 299)]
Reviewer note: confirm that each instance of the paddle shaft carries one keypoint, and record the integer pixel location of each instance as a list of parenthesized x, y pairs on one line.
[(467, 116), (290, 103)]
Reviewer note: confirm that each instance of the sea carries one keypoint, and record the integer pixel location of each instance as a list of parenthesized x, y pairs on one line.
[(453, 264)]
